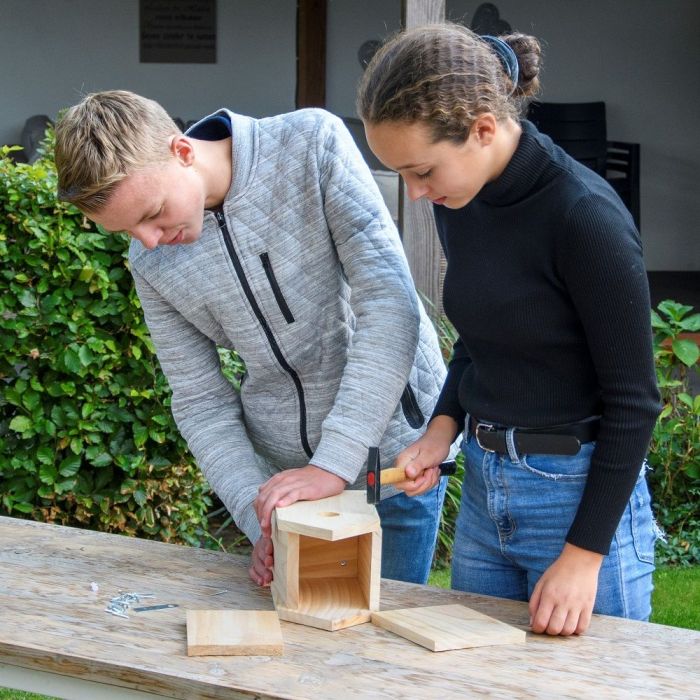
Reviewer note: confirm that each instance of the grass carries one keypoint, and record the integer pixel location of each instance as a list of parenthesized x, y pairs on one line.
[(676, 599), (676, 602)]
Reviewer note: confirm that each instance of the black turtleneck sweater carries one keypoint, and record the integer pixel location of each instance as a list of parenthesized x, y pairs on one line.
[(546, 287)]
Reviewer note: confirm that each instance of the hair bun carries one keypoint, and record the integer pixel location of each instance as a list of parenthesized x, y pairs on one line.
[(529, 52)]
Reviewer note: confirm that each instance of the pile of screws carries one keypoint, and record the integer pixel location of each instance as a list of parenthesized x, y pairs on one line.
[(121, 603)]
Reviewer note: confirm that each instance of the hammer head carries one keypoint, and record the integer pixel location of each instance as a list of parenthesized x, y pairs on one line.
[(373, 476)]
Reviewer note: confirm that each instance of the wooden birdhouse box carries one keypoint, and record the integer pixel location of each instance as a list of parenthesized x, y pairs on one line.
[(327, 561)]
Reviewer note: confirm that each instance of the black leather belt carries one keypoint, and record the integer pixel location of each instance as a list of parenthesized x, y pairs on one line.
[(552, 440)]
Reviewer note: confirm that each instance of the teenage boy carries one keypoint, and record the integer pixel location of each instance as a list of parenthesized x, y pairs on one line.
[(268, 236)]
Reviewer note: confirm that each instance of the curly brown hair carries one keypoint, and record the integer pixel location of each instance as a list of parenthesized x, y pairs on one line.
[(446, 76)]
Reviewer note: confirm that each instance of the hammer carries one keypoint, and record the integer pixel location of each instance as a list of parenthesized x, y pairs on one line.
[(376, 475)]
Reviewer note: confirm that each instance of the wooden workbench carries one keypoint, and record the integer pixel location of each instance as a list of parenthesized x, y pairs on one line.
[(55, 636)]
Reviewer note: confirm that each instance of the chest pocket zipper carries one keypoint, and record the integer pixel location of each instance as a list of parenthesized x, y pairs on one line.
[(281, 301), (411, 410)]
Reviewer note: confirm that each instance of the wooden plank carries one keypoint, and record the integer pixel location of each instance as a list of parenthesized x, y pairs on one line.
[(369, 556), (311, 53), (285, 573), (52, 622), (444, 627), (335, 518), (328, 604), (416, 222), (233, 633), (322, 559)]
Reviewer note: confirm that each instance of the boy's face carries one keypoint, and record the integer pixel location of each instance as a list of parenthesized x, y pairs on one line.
[(159, 205)]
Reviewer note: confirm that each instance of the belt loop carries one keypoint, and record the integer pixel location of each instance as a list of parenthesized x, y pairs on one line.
[(510, 444), (467, 434)]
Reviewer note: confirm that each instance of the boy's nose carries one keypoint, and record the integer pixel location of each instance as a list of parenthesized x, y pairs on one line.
[(148, 235)]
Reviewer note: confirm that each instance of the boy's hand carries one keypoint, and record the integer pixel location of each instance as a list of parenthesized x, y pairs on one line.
[(307, 483), (562, 600), (261, 562), (422, 459)]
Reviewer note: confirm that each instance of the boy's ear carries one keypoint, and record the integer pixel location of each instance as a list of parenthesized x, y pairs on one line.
[(182, 148), (484, 128)]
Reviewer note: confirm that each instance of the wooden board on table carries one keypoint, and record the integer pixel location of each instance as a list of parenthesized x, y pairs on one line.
[(233, 633), (443, 627)]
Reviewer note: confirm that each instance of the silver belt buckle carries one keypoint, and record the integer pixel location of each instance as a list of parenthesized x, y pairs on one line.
[(487, 427)]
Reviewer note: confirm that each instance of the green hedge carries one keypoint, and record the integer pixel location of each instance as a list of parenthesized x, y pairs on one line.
[(674, 453), (86, 434)]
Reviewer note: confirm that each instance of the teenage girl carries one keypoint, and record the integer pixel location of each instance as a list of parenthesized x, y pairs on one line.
[(552, 378)]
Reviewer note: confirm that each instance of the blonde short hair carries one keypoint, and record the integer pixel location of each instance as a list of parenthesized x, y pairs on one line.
[(103, 139)]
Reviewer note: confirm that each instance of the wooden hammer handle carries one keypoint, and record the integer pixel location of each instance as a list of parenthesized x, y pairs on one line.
[(394, 474)]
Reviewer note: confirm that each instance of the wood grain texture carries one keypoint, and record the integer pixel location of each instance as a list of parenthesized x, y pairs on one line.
[(233, 633), (327, 582), (51, 621), (334, 518), (444, 627)]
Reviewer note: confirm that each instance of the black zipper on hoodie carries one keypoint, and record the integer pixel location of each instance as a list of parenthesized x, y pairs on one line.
[(221, 220)]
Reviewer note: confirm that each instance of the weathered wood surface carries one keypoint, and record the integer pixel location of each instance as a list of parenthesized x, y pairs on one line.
[(51, 621)]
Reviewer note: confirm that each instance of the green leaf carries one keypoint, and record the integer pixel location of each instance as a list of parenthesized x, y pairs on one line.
[(686, 351), (45, 455), (657, 321), (140, 434), (103, 459), (70, 465), (686, 399), (21, 424), (46, 491), (48, 473), (27, 299), (65, 485), (85, 355), (31, 399), (86, 274), (666, 411), (691, 323), (71, 360), (23, 507)]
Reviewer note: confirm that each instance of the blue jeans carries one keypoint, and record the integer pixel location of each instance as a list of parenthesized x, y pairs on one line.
[(409, 532), (514, 518)]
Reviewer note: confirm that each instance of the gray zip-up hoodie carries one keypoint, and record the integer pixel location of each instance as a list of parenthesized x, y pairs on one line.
[(303, 273)]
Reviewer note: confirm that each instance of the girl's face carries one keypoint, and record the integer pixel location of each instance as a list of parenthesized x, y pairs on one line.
[(444, 172)]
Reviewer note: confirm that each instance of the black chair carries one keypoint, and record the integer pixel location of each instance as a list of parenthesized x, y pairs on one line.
[(580, 129), (33, 134)]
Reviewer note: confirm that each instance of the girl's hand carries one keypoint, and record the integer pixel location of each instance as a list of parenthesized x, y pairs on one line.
[(421, 460), (562, 600)]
